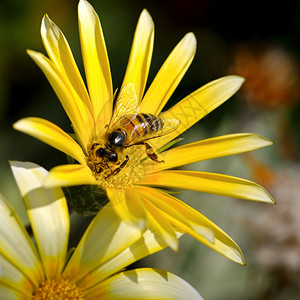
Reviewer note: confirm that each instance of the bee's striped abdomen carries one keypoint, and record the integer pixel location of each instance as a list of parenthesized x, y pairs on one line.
[(148, 123), (155, 123), (141, 125)]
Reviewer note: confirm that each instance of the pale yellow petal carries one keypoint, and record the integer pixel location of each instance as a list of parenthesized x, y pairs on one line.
[(16, 246), (198, 104), (71, 102), (96, 62), (208, 149), (106, 237), (149, 243), (8, 293), (128, 206), (140, 55), (145, 283), (48, 214), (61, 55), (190, 221), (69, 175), (209, 183), (51, 134), (14, 279), (169, 76)]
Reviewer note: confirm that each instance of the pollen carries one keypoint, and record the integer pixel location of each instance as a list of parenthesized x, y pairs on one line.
[(58, 289)]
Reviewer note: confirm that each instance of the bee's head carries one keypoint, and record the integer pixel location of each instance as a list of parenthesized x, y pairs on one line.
[(110, 156)]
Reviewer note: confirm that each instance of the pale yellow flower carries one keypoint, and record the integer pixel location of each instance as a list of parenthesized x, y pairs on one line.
[(41, 269), (133, 191)]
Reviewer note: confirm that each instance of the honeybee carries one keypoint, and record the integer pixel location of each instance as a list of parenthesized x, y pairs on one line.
[(129, 128)]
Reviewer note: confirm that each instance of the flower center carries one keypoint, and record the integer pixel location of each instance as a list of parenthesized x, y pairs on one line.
[(58, 289), (117, 168)]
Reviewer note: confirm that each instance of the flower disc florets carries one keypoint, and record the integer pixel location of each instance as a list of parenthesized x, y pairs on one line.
[(58, 289)]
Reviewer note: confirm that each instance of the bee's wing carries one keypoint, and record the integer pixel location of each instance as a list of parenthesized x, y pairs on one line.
[(126, 104), (167, 126)]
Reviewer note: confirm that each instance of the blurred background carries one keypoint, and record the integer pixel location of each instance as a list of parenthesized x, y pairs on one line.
[(259, 40)]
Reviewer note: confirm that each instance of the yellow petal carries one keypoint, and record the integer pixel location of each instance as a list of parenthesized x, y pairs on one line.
[(51, 134), (48, 214), (149, 243), (72, 104), (61, 55), (210, 148), (16, 246), (190, 221), (159, 224), (96, 62), (209, 183), (145, 283), (178, 213), (140, 55), (198, 104), (69, 175), (106, 237), (169, 76), (128, 206)]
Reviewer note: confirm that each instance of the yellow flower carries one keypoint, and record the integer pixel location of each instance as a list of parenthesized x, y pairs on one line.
[(42, 271), (132, 191)]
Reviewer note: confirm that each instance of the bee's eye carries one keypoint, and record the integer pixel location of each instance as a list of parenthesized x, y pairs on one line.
[(100, 152), (117, 138), (113, 157)]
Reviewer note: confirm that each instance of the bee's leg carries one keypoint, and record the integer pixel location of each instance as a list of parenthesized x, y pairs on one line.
[(111, 171), (98, 168), (151, 154), (149, 150), (123, 164), (117, 170)]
